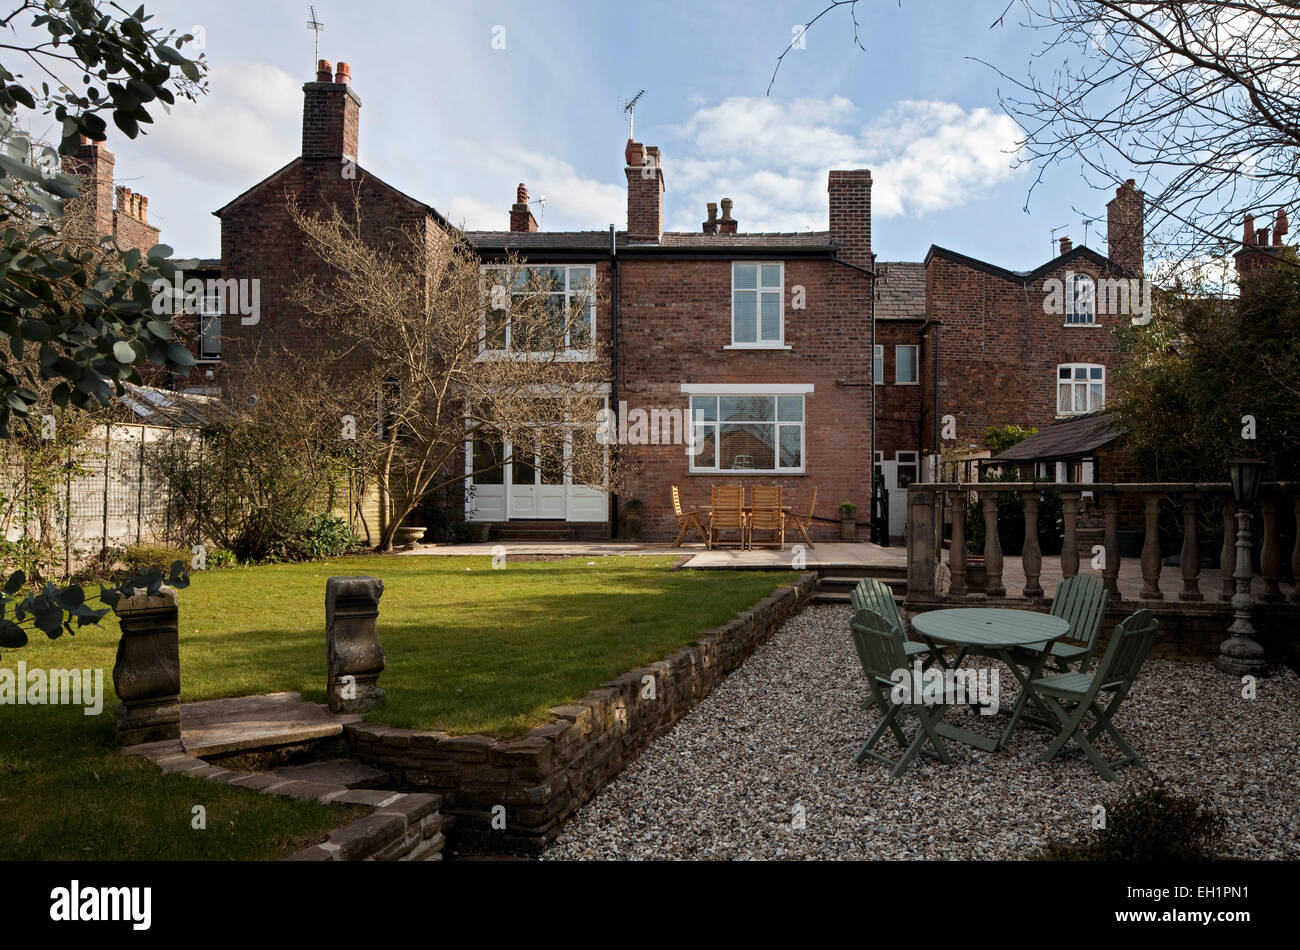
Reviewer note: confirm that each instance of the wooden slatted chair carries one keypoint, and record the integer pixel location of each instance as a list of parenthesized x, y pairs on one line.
[(727, 514), (803, 522), (1082, 601), (1074, 697), (687, 519), (872, 594), (766, 517), (881, 655)]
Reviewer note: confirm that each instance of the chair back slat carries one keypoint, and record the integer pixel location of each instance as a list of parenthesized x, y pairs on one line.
[(765, 508), (1081, 601), (872, 594), (1129, 644), (879, 649), (728, 500), (677, 502)]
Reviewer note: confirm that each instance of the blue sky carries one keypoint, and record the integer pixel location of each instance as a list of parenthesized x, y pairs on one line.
[(458, 123)]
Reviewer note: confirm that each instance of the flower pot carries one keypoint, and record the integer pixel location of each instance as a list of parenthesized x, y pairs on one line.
[(848, 529), (409, 534)]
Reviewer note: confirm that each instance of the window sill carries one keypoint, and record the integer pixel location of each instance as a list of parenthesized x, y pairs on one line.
[(757, 346), (1082, 326), (745, 472), (568, 356), (915, 382)]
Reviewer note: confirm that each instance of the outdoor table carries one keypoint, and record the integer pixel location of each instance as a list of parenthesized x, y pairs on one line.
[(998, 632)]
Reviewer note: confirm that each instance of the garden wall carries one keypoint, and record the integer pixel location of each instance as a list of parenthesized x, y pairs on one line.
[(514, 795)]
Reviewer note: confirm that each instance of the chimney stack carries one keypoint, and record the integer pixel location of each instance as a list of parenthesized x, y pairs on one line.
[(726, 224), (711, 225), (645, 193), (850, 215), (1280, 227), (330, 114), (521, 219), (1066, 245), (1125, 228), (93, 164)]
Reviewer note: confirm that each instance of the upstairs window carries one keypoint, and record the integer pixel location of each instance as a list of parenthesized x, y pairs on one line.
[(757, 304), (906, 364), (1081, 297), (878, 365), (1080, 388), (562, 309), (210, 327)]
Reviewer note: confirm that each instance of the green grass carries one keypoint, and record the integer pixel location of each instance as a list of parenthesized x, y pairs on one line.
[(469, 649)]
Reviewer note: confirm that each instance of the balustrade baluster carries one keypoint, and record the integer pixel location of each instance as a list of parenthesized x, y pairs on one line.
[(1228, 553), (1031, 555), (1110, 568), (1151, 548), (957, 549), (1270, 553), (1070, 545), (992, 545), (1191, 553)]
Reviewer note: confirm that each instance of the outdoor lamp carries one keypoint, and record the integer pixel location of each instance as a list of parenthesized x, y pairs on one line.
[(1246, 475)]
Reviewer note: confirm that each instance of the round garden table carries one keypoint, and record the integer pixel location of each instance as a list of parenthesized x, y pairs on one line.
[(992, 631)]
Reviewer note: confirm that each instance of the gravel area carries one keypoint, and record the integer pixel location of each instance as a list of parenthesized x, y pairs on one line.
[(776, 741)]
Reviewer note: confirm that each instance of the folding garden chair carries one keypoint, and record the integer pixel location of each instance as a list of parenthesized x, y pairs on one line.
[(803, 522), (1074, 697), (687, 520), (871, 594), (1082, 601), (881, 654), (766, 517), (727, 513)]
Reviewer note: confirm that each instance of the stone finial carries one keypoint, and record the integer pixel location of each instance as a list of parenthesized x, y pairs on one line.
[(356, 658)]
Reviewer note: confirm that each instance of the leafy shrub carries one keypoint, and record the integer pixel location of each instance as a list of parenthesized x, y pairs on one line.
[(152, 555), (325, 536), (1150, 822), (222, 557)]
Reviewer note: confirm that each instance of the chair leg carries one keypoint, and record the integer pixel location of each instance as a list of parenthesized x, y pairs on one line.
[(686, 526)]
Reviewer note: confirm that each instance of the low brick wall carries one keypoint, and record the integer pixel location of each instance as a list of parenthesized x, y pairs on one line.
[(403, 828), (514, 795)]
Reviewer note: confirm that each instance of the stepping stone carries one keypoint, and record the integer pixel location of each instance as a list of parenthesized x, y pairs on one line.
[(343, 772), (249, 723)]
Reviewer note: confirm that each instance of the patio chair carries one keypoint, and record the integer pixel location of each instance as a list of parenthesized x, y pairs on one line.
[(727, 513), (766, 516), (1082, 601), (1074, 697), (881, 654), (803, 522), (875, 595), (687, 520)]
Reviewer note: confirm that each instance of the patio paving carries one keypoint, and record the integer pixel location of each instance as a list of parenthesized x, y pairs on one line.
[(775, 743)]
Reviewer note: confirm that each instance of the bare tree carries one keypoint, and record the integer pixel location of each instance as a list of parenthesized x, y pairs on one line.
[(1199, 100), (429, 351)]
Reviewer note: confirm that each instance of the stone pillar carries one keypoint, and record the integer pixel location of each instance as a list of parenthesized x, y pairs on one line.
[(356, 657), (1151, 548), (921, 554), (1110, 570), (957, 550), (992, 544), (147, 673), (1031, 555), (1191, 553), (1070, 545), (1228, 553)]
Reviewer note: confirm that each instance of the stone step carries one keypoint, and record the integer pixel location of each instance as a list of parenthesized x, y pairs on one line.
[(343, 772), (246, 724)]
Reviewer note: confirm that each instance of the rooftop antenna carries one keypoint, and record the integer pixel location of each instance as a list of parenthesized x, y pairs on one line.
[(629, 106), (541, 201), (316, 26), (1053, 239), (1087, 223)]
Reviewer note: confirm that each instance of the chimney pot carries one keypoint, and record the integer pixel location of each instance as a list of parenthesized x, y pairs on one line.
[(711, 225), (323, 70), (343, 74), (1066, 245), (1261, 236), (1248, 230), (521, 194), (1281, 226)]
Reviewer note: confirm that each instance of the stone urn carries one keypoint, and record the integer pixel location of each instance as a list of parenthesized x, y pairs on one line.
[(409, 534)]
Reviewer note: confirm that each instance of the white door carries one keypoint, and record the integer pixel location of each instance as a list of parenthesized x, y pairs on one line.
[(898, 473), (536, 485)]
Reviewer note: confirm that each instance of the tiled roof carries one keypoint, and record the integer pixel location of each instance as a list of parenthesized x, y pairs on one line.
[(900, 290), (163, 407), (599, 240), (1068, 438)]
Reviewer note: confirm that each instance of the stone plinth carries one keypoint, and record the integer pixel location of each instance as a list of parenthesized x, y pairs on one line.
[(355, 655), (147, 673)]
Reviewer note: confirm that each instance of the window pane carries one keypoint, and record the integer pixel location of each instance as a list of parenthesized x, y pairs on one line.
[(581, 280), (790, 408), (1096, 400), (1063, 399), (748, 446), (1079, 395), (1081, 372), (744, 276), (1095, 372), (747, 408), (705, 444), (771, 275), (771, 317), (745, 316), (791, 452), (495, 332), (906, 364), (210, 344), (1063, 372), (487, 453), (704, 408), (878, 365)]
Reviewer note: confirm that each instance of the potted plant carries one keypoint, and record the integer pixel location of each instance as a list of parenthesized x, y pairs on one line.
[(848, 518), (632, 518)]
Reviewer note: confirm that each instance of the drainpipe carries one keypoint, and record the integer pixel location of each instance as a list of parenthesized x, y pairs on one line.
[(871, 452), (613, 346)]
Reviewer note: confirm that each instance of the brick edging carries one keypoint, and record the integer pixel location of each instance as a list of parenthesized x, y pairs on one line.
[(403, 827), (512, 795)]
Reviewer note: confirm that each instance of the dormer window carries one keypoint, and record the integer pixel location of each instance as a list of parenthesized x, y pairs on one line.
[(1081, 300)]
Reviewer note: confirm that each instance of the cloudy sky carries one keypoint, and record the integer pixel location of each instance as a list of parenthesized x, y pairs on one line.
[(455, 120)]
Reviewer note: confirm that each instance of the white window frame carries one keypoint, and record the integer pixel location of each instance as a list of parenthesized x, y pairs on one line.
[(209, 311), (775, 392), (1087, 382), (916, 363), (1073, 310), (878, 356), (583, 354), (758, 290)]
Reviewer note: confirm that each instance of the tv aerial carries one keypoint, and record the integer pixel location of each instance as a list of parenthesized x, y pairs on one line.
[(316, 26), (629, 107)]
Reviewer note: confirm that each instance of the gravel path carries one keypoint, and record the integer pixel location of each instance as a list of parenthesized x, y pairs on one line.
[(778, 738)]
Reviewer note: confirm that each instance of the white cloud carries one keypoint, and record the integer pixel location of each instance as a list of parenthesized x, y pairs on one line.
[(772, 158)]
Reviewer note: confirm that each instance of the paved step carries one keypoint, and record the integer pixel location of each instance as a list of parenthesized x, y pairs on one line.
[(254, 723), (343, 772)]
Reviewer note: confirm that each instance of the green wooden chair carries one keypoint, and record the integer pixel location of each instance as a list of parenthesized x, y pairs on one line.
[(871, 594), (1081, 600), (1074, 698), (881, 654)]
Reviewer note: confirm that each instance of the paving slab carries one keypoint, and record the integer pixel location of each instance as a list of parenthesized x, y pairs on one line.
[(343, 772), (247, 723)]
